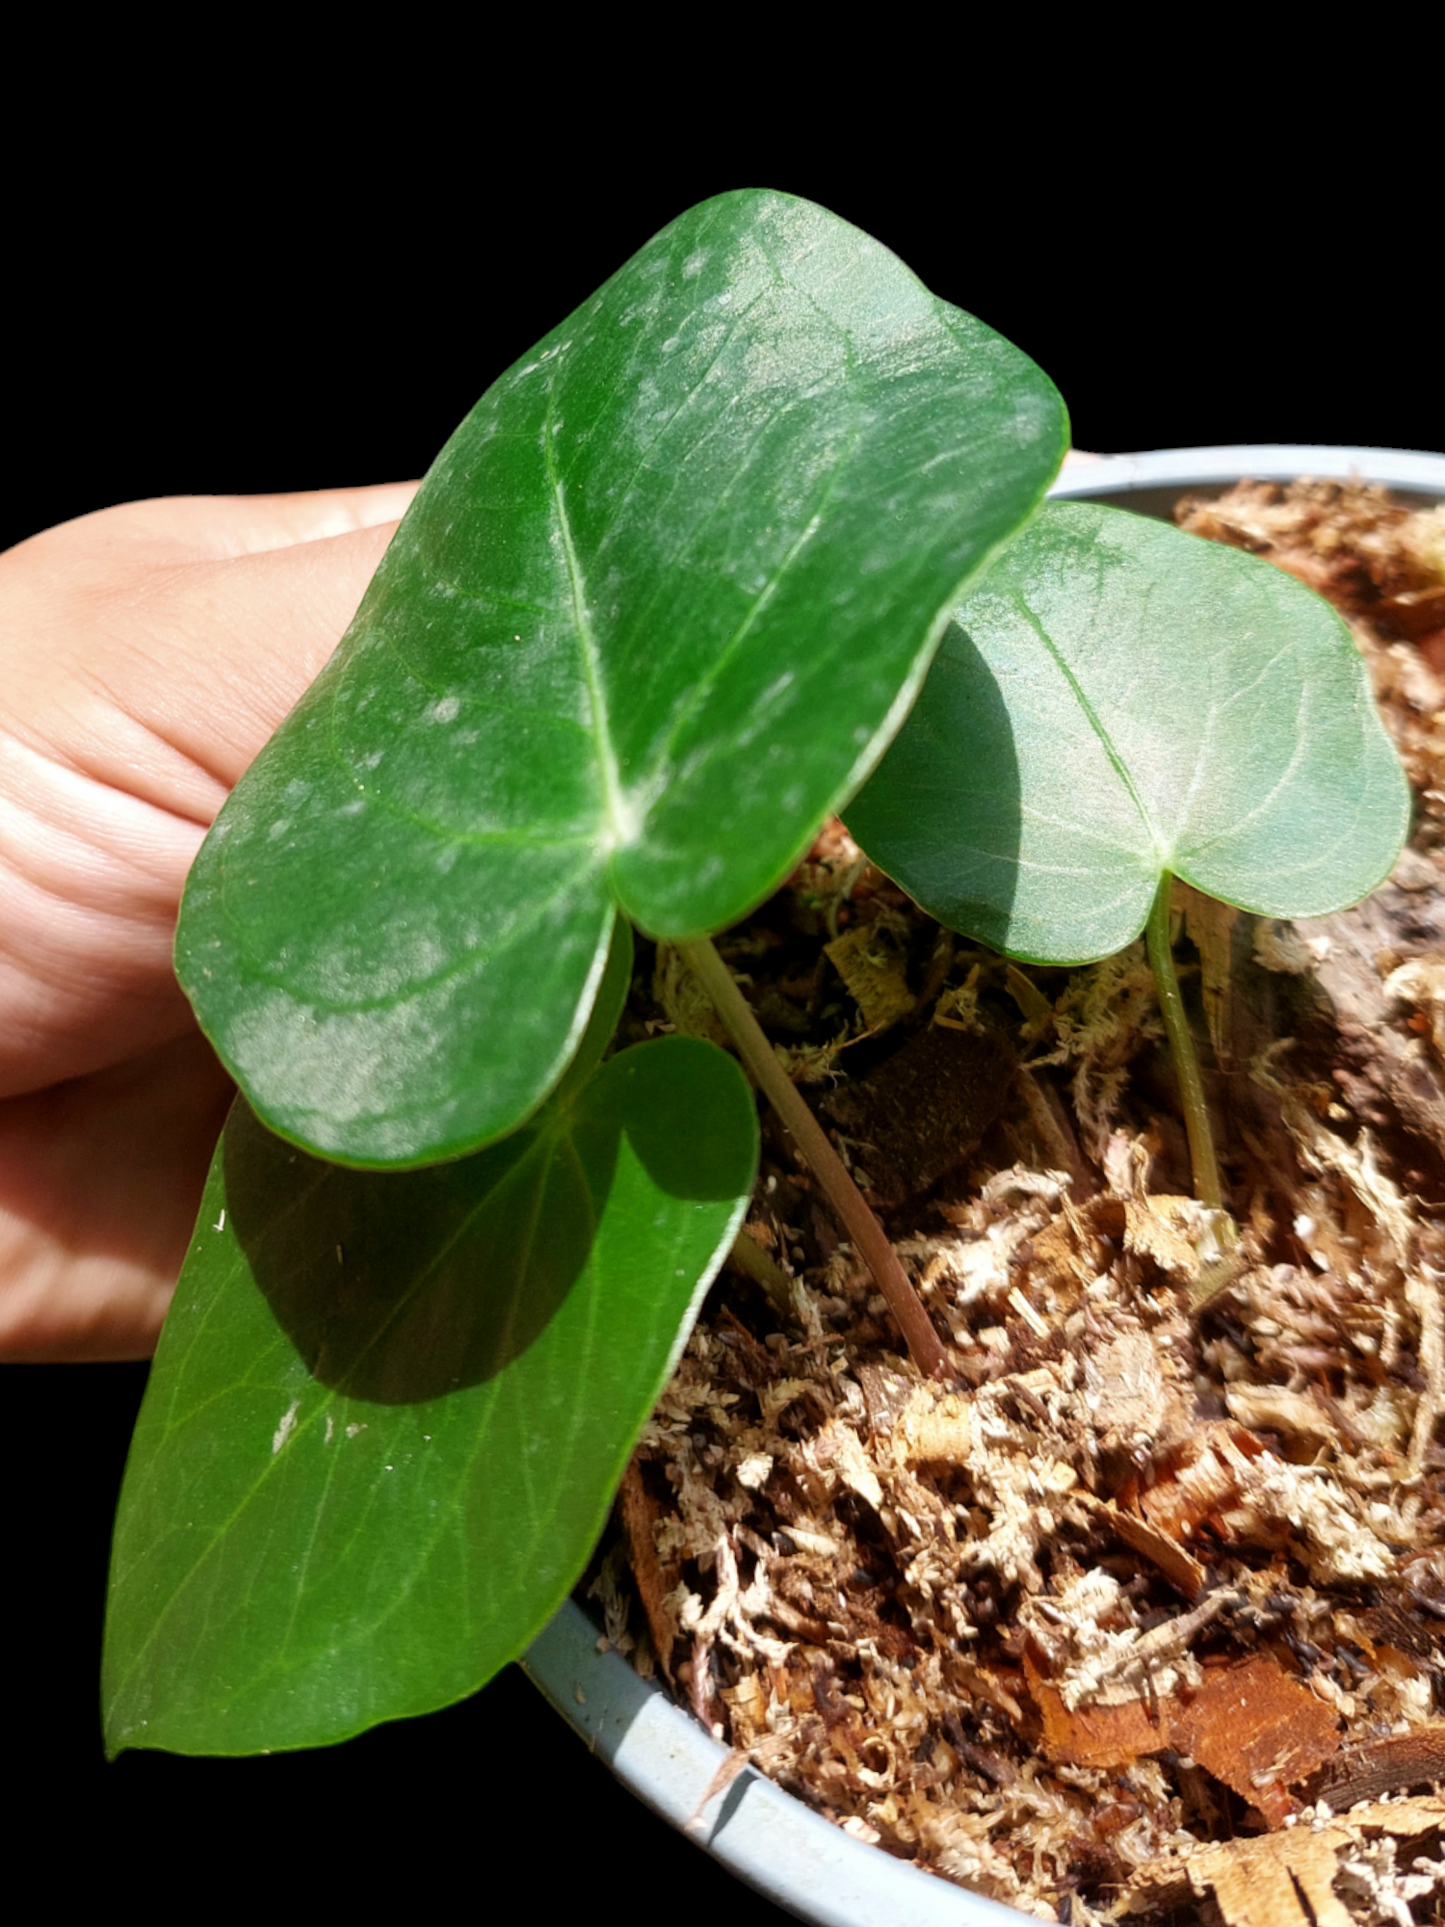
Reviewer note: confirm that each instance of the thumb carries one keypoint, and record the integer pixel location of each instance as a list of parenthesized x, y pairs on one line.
[(165, 640), (249, 634), (146, 654)]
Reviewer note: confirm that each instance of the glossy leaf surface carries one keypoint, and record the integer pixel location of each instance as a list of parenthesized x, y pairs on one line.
[(1115, 699), (389, 1410), (654, 612)]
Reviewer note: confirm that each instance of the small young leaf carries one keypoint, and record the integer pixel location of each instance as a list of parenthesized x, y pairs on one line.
[(389, 1410), (657, 607), (1116, 699)]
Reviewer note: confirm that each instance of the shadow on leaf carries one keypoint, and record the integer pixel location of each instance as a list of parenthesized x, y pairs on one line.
[(398, 1287), (954, 763), (403, 1286)]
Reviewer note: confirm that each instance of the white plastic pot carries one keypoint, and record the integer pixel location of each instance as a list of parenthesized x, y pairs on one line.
[(777, 1845)]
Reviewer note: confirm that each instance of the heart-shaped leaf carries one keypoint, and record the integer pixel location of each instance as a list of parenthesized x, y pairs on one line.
[(389, 1410), (654, 612), (1116, 699)]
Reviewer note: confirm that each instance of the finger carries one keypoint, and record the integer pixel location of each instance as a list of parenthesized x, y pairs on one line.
[(189, 688), (99, 1183), (135, 688), (111, 771), (90, 878), (282, 612), (214, 527), (233, 525)]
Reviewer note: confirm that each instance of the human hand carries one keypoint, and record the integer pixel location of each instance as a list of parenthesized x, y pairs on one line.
[(146, 654)]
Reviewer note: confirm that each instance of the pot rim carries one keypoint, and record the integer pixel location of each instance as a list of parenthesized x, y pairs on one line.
[(769, 1839), (1416, 476)]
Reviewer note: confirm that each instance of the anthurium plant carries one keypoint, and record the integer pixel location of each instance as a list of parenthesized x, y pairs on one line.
[(1117, 703), (662, 604)]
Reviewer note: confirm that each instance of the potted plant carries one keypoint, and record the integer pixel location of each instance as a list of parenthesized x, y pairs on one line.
[(778, 1845), (289, 1063)]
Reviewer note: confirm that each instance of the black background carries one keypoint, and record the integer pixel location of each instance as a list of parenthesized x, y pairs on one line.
[(218, 312), (233, 341)]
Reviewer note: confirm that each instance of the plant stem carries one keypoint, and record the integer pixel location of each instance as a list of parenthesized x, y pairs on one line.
[(1181, 1045), (868, 1236), (753, 1262)]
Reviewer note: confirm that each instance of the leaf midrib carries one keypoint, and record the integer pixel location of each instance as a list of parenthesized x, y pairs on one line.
[(1091, 716), (622, 828)]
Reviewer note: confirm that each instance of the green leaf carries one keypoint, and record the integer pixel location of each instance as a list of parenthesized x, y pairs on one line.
[(1115, 699), (657, 608), (389, 1410)]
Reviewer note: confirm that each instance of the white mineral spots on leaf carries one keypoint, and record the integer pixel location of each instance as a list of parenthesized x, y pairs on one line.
[(286, 1427), (1033, 418), (220, 1223), (708, 342), (330, 1428), (353, 1430), (328, 1065), (445, 710)]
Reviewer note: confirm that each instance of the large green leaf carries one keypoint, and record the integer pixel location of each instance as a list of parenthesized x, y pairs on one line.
[(655, 611), (389, 1410), (1115, 699)]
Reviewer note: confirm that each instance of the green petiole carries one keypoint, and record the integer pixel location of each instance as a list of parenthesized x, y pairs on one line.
[(1181, 1046)]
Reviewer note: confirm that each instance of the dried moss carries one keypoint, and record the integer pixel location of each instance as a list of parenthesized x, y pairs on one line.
[(1120, 1619)]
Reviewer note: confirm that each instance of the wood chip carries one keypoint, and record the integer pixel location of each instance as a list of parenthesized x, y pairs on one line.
[(1165, 1230), (874, 968), (1098, 1736), (1201, 1479), (1259, 1730), (1385, 1765), (935, 1427), (639, 1515), (1272, 1408), (1252, 1726), (1284, 1879), (1179, 1567), (1406, 1819)]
